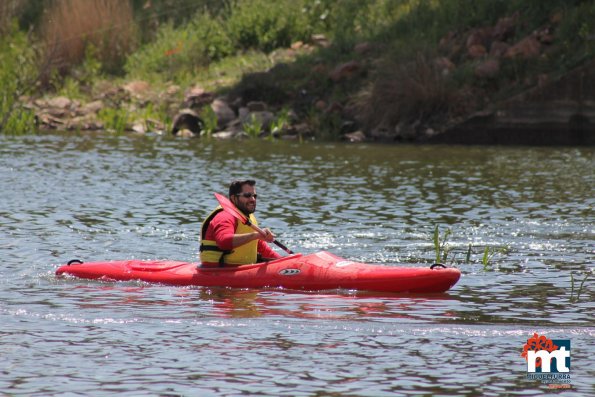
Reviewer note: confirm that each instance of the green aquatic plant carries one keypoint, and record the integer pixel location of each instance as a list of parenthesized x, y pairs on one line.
[(281, 122), (114, 120), (441, 248), (489, 253), (573, 298), (468, 256), (253, 127), (209, 118)]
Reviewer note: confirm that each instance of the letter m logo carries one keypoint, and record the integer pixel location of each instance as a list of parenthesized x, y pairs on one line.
[(560, 358)]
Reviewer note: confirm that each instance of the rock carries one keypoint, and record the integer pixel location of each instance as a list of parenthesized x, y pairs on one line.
[(155, 126), (230, 134), (446, 41), (348, 126), (224, 113), (57, 112), (91, 107), (289, 137), (527, 48), (345, 71), (139, 127), (319, 68), (40, 103), (498, 49), (256, 106), (406, 131), (113, 95), (430, 132), (197, 97), (187, 119), (557, 17), (48, 121), (235, 126), (28, 102), (185, 133), (60, 102), (84, 123), (137, 89), (172, 89), (264, 118), (320, 40), (58, 107), (300, 129), (363, 48), (320, 105), (355, 137), (488, 69), (505, 27), (382, 132), (476, 51), (451, 44), (243, 113), (545, 36), (224, 135), (444, 65), (334, 107), (195, 91), (479, 36)]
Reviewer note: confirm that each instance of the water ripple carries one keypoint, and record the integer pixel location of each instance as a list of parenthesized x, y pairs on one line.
[(107, 197)]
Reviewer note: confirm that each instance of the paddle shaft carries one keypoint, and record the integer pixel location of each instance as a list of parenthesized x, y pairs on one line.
[(259, 230)]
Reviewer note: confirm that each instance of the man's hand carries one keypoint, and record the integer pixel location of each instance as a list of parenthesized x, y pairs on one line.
[(268, 235)]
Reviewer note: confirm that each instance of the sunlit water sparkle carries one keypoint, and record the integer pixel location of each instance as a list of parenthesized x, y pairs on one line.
[(104, 197)]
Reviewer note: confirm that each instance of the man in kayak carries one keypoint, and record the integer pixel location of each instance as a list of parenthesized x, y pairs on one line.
[(225, 241)]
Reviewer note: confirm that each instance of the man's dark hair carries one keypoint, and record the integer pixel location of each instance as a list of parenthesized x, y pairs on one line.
[(236, 186)]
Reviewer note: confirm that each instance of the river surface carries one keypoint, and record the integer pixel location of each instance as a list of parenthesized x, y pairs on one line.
[(94, 197)]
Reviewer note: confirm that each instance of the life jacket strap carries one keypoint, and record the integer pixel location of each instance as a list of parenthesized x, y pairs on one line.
[(204, 247)]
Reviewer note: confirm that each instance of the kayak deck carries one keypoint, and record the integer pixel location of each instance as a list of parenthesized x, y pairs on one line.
[(313, 272)]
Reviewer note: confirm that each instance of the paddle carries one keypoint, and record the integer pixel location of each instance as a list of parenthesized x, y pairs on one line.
[(230, 208)]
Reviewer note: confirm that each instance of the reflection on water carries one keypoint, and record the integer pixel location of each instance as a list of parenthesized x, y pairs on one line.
[(96, 198)]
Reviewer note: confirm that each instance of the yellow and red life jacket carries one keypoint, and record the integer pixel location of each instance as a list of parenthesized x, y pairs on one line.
[(245, 254)]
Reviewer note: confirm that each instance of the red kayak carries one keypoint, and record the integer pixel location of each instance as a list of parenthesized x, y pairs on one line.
[(314, 272)]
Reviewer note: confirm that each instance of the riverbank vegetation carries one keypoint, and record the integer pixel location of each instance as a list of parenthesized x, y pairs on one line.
[(323, 68)]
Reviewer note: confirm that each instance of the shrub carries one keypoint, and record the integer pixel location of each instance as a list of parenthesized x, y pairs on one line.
[(576, 35), (181, 50), (409, 92), (18, 75), (71, 25), (266, 25)]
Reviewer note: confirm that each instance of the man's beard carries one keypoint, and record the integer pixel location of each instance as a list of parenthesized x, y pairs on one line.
[(245, 210)]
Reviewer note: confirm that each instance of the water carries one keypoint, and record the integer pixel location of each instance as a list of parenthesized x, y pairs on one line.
[(95, 198)]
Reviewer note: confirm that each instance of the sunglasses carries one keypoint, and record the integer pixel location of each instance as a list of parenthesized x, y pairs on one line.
[(248, 195)]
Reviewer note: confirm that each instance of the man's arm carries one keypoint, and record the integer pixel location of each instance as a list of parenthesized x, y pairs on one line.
[(266, 251), (224, 227)]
